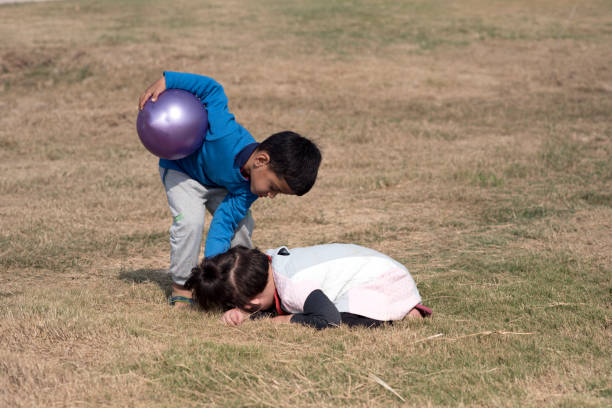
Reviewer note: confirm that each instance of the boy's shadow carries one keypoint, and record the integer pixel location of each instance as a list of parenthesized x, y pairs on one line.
[(159, 276)]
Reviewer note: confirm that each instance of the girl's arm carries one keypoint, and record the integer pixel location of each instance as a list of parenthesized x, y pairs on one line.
[(319, 312)]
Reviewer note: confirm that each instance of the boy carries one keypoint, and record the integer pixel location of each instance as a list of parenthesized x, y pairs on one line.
[(225, 176)]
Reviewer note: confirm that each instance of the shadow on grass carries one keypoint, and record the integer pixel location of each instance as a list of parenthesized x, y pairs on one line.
[(159, 276)]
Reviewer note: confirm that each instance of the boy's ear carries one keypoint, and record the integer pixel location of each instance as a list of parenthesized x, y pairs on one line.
[(262, 159)]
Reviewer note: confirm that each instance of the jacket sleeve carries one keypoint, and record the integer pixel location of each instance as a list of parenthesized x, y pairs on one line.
[(228, 214), (220, 121), (319, 312)]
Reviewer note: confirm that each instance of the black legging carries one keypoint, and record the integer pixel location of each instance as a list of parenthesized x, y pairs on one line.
[(352, 320)]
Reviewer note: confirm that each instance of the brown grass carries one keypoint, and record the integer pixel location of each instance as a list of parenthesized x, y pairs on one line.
[(469, 140)]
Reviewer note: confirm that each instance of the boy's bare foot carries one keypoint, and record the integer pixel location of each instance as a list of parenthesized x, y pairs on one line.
[(181, 296)]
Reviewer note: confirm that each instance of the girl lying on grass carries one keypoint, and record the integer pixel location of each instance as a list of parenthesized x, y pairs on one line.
[(319, 286)]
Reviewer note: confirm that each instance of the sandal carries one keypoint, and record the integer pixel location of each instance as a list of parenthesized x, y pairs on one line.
[(179, 299)]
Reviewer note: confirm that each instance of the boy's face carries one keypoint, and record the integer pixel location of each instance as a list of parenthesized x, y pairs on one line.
[(265, 183)]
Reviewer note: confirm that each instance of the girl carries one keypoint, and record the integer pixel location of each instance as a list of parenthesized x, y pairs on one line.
[(319, 286)]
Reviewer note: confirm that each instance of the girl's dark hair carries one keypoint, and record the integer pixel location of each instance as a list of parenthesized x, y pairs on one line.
[(230, 279), (294, 159)]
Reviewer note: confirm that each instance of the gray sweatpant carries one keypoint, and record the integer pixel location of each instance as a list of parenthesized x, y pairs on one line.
[(188, 201)]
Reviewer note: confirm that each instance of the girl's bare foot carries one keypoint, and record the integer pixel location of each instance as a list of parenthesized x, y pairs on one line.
[(414, 313)]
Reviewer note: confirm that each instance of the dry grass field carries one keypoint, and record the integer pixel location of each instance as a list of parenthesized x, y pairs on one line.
[(471, 140)]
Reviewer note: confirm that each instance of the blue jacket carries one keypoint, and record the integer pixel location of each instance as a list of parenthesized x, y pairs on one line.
[(214, 163)]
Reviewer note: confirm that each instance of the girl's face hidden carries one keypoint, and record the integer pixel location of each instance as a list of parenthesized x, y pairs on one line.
[(265, 299)]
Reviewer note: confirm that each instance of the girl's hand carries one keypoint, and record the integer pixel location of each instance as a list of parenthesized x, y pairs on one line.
[(234, 317), (152, 92)]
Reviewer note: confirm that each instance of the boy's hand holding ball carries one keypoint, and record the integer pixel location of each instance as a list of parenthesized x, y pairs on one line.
[(152, 92)]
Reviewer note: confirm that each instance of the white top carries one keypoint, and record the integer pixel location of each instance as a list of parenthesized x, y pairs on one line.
[(356, 279)]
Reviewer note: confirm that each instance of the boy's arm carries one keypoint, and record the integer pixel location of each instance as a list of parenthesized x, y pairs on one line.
[(220, 121), (228, 214)]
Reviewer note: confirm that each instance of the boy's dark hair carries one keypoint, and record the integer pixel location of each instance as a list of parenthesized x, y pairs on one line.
[(230, 279), (294, 159)]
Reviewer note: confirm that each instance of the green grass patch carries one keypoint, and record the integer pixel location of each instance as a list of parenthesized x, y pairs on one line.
[(596, 198), (56, 247), (376, 233), (496, 215), (478, 177), (342, 27)]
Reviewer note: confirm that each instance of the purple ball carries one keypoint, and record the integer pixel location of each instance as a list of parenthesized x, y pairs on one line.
[(174, 126)]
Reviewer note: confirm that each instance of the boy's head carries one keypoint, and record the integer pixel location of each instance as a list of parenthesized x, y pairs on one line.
[(235, 278), (285, 163)]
